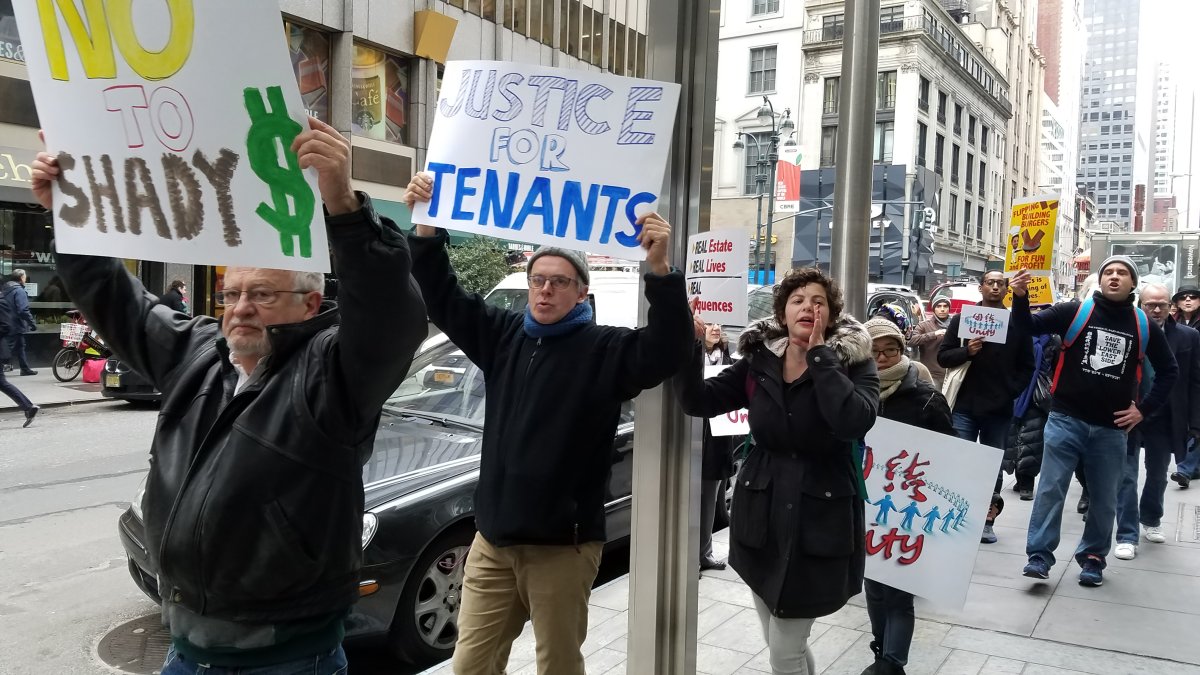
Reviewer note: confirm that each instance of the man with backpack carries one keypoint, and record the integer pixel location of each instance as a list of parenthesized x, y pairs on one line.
[(1094, 405)]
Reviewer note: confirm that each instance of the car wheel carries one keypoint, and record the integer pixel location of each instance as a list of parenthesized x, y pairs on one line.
[(426, 624)]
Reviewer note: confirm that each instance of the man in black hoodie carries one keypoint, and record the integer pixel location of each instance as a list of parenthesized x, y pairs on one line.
[(1094, 406), (998, 374), (555, 383)]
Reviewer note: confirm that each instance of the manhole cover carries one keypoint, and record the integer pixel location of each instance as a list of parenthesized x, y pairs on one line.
[(138, 646), (1188, 528)]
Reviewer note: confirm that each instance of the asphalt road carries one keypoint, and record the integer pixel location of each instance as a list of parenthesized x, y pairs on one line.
[(64, 585)]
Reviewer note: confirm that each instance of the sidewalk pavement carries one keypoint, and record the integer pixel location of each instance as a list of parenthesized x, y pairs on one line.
[(1143, 620), (47, 392)]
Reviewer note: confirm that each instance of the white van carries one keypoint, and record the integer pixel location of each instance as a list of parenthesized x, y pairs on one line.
[(614, 296)]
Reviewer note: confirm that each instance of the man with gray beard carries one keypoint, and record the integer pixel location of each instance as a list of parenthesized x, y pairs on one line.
[(254, 499)]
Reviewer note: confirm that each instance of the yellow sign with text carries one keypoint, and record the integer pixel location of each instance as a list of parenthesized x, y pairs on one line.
[(1030, 241), (1040, 292)]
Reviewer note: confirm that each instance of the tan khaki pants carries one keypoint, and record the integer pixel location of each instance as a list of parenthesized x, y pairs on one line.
[(506, 586)]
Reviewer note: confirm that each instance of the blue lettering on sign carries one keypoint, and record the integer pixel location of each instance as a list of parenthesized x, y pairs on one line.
[(586, 123), (481, 112), (585, 213), (461, 190), (507, 82), (544, 84), (495, 208), (538, 202), (633, 114), (580, 202)]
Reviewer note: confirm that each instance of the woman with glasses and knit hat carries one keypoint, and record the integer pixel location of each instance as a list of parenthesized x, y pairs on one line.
[(908, 398)]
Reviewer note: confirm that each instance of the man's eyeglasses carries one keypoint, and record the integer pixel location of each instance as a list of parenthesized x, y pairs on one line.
[(258, 296), (557, 282), (889, 352), (1155, 305), (995, 282)]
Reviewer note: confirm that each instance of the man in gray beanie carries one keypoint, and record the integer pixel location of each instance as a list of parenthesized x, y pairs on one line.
[(555, 384), (1094, 405)]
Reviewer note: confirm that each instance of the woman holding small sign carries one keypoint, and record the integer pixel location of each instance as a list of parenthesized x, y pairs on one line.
[(907, 398), (797, 529)]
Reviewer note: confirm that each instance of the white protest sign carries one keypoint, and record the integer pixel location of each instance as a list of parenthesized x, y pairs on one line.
[(173, 124), (732, 423), (928, 495), (989, 323), (717, 267), (547, 155)]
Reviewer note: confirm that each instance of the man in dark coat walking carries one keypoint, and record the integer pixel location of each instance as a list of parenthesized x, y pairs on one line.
[(17, 320), (1163, 434)]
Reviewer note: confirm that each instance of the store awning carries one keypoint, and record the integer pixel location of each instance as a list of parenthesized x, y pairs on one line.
[(1083, 262)]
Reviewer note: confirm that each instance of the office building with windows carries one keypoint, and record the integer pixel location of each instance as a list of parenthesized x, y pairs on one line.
[(1062, 43), (942, 111), (760, 55), (1117, 110)]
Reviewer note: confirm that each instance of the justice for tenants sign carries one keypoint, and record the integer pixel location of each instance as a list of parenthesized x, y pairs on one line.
[(548, 155), (173, 123)]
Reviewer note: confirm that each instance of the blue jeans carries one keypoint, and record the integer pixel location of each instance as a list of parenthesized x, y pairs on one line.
[(1149, 512), (1190, 463), (892, 620), (9, 389), (331, 663), (991, 431), (1102, 450)]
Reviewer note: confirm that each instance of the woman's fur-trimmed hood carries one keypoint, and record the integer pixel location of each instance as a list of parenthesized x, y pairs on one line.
[(850, 339)]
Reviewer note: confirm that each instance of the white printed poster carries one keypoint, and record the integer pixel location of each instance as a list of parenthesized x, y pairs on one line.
[(547, 155), (927, 498), (989, 323), (173, 124), (732, 423), (717, 269)]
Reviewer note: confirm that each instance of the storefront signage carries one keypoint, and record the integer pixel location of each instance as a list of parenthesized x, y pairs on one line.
[(14, 166), (548, 155), (174, 147)]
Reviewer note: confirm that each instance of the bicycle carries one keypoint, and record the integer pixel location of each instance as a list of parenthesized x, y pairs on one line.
[(80, 343)]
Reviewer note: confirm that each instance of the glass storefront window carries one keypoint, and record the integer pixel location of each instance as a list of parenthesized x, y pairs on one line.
[(380, 91), (10, 41), (27, 243), (309, 52)]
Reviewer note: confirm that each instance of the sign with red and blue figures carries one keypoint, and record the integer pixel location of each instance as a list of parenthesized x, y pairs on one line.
[(989, 323), (928, 495), (172, 146)]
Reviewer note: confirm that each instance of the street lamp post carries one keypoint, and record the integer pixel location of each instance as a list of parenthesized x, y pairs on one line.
[(765, 178)]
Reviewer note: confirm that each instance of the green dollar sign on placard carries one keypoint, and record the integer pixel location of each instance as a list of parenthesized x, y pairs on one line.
[(272, 133)]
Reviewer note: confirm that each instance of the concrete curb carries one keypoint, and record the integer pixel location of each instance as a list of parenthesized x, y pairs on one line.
[(59, 404)]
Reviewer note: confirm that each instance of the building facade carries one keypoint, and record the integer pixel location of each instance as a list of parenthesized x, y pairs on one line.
[(1117, 110), (1062, 42), (760, 55), (942, 105), (370, 68)]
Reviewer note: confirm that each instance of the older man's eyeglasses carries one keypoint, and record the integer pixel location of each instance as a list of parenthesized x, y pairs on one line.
[(1155, 306), (258, 296), (557, 282), (890, 352)]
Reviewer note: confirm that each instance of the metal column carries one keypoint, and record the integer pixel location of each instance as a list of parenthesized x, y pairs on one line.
[(682, 39), (855, 143)]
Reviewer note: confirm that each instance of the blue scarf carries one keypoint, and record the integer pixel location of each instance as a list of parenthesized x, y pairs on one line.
[(581, 315)]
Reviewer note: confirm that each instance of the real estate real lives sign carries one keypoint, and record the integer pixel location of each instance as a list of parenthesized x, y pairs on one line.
[(173, 122), (548, 155)]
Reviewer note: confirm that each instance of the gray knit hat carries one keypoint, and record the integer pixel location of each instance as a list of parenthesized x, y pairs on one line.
[(577, 260), (1124, 260), (880, 327)]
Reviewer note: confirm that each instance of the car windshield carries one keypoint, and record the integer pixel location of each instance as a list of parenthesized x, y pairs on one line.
[(442, 381), (513, 299)]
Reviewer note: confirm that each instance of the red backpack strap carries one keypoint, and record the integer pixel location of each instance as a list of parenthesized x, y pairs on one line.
[(1082, 314)]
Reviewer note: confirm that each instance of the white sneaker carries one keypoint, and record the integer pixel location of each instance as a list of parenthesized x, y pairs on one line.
[(1155, 534), (1126, 551)]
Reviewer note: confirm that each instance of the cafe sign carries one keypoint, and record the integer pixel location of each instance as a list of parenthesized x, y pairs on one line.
[(15, 170)]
